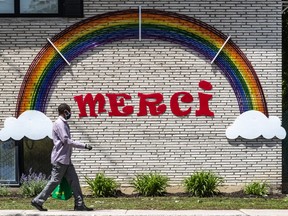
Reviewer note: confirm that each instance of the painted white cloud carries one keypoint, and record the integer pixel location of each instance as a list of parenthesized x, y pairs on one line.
[(252, 124), (32, 124)]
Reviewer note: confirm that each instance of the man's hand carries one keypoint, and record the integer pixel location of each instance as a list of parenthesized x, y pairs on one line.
[(89, 147)]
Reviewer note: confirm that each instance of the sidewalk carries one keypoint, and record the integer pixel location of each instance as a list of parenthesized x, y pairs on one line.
[(241, 212)]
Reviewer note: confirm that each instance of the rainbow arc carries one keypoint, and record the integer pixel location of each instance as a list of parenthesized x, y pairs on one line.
[(121, 25)]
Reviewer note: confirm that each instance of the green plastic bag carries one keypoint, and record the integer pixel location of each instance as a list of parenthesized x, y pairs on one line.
[(63, 191)]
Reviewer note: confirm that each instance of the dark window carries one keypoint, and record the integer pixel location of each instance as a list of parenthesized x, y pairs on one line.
[(36, 155), (19, 157), (9, 162), (41, 8)]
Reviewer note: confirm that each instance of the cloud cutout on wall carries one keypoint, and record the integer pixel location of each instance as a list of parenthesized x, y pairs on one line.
[(32, 124), (253, 124)]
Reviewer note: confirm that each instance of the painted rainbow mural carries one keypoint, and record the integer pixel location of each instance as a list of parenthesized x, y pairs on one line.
[(160, 25)]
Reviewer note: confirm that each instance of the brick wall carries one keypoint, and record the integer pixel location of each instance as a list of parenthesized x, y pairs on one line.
[(173, 146)]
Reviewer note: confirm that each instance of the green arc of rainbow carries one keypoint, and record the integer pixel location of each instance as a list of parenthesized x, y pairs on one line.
[(159, 25)]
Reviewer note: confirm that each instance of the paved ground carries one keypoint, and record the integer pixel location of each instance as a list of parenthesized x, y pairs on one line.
[(241, 212)]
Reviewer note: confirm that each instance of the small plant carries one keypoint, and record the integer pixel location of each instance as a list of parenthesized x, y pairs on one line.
[(102, 186), (32, 184), (257, 188), (4, 190), (203, 184), (152, 184)]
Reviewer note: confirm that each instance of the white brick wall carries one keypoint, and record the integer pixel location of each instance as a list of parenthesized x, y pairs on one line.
[(176, 147)]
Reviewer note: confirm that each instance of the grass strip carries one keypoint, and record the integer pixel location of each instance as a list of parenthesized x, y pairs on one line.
[(153, 203)]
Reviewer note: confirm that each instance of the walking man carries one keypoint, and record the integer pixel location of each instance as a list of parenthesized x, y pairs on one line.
[(61, 162)]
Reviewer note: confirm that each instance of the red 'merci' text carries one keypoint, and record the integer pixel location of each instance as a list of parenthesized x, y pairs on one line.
[(149, 104)]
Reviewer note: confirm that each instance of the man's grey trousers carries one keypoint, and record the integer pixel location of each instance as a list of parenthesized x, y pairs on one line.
[(58, 172)]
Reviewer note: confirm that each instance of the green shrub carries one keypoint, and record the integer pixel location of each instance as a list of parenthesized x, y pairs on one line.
[(257, 188), (152, 184), (102, 186), (4, 190), (203, 184), (32, 184)]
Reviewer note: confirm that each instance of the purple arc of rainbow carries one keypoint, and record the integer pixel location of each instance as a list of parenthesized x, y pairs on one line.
[(121, 25)]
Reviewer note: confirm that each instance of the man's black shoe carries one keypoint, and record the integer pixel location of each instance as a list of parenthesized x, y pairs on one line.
[(36, 205), (82, 208)]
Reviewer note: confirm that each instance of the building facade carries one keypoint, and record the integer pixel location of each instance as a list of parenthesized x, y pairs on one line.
[(136, 65)]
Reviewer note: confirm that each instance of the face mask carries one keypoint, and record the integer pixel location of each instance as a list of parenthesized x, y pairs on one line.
[(67, 115)]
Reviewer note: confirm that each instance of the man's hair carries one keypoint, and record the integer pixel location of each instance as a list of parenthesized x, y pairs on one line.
[(62, 107)]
